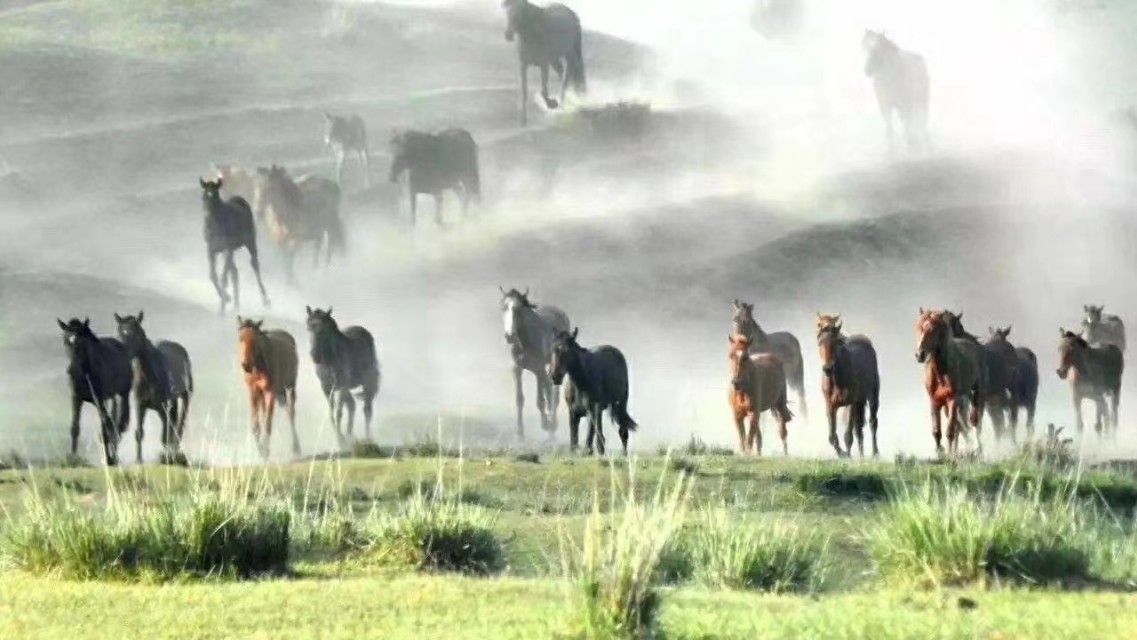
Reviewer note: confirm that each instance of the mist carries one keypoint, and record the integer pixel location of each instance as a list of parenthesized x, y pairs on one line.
[(762, 174)]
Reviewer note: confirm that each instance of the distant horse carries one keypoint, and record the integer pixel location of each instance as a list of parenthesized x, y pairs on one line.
[(530, 331), (782, 344), (1024, 393), (163, 382), (600, 382), (1094, 374), (229, 227), (757, 384), (306, 210), (1000, 368), (953, 377), (344, 360), (547, 37), (1103, 329), (270, 363), (434, 163), (851, 379), (344, 135), (900, 80), (99, 373)]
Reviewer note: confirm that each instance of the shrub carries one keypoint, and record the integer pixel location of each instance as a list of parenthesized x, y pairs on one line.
[(436, 534)]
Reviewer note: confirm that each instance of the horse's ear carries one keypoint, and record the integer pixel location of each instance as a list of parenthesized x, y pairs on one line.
[(62, 325), (1007, 331), (501, 289), (117, 318), (329, 312), (140, 315), (258, 324), (309, 310), (1062, 331), (737, 304), (1086, 308), (837, 318), (992, 330), (838, 326), (575, 331), (921, 310), (201, 182)]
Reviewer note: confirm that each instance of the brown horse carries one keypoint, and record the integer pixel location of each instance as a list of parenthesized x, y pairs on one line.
[(1094, 374), (270, 363), (997, 375), (757, 384), (851, 378), (952, 376), (782, 344)]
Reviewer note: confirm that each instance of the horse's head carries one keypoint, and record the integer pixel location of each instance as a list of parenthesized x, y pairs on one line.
[(566, 355), (739, 353), (1071, 348), (878, 49), (824, 321), (76, 335), (1093, 314), (514, 11), (321, 326), (210, 189), (999, 334), (932, 331), (954, 321), (513, 303), (743, 322), (829, 343), (130, 331), (248, 335)]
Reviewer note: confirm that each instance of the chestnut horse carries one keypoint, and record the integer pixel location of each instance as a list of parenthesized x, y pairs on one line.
[(1094, 374), (757, 384), (270, 363), (782, 344), (953, 377), (851, 378)]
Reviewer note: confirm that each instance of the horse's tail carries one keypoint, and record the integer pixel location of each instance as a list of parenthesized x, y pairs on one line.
[(188, 373), (575, 66), (623, 420)]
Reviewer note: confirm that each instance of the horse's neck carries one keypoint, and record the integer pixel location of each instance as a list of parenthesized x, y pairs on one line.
[(843, 367), (327, 346), (531, 330), (757, 335), (579, 370)]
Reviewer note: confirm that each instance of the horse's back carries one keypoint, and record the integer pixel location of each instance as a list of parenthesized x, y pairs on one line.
[(609, 365), (1027, 375), (365, 359), (863, 355), (1113, 362), (285, 361), (177, 364)]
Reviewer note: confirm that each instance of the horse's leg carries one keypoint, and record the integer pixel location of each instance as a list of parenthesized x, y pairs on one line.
[(231, 269), (465, 199), (369, 393), (543, 386), (524, 94), (850, 427), (139, 421), (620, 429), (519, 397), (756, 433), (1101, 415), (333, 410), (739, 424), (554, 402), (874, 408), (255, 262), (167, 428), (549, 102), (76, 410), (1078, 413), (1030, 420), (595, 414), (1115, 401), (349, 401), (256, 405), (213, 278), (831, 415), (783, 433), (292, 420), (1013, 423), (269, 400), (183, 412), (562, 71), (574, 429), (937, 427), (339, 153)]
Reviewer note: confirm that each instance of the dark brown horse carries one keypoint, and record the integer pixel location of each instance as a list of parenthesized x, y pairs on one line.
[(782, 344), (1000, 368), (548, 37), (953, 377), (1094, 374), (851, 378), (270, 363), (757, 384), (99, 372), (1024, 393)]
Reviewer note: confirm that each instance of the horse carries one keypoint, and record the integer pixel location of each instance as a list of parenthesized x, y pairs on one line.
[(306, 210), (547, 37), (99, 372), (757, 384), (781, 343), (1024, 392), (229, 227), (1000, 368), (163, 381), (435, 162), (599, 381), (344, 135), (270, 363), (1094, 374), (344, 360), (900, 81), (1101, 328), (953, 377), (851, 378), (530, 331)]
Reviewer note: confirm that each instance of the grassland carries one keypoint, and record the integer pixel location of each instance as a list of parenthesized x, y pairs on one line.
[(835, 515)]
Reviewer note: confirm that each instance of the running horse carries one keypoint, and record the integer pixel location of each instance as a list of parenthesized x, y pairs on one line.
[(344, 135), (782, 344), (270, 363), (1024, 394), (434, 163), (953, 377), (229, 227), (1095, 374), (851, 378), (757, 384), (599, 383), (99, 372), (900, 81), (547, 37), (304, 210), (530, 331)]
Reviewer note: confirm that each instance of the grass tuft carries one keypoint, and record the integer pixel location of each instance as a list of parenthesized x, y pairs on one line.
[(437, 534)]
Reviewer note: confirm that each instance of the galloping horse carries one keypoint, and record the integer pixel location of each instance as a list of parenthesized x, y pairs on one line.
[(782, 344), (270, 363), (1000, 370), (547, 37), (1094, 374), (344, 361), (530, 331), (757, 384), (306, 210), (344, 135), (1024, 392), (434, 163), (228, 227), (953, 377), (1103, 329), (99, 372), (599, 381), (900, 81), (163, 382), (851, 379)]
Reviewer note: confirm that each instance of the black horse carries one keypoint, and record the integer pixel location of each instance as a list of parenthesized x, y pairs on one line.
[(163, 382), (547, 37), (599, 381), (228, 227), (99, 372), (434, 163), (344, 360)]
